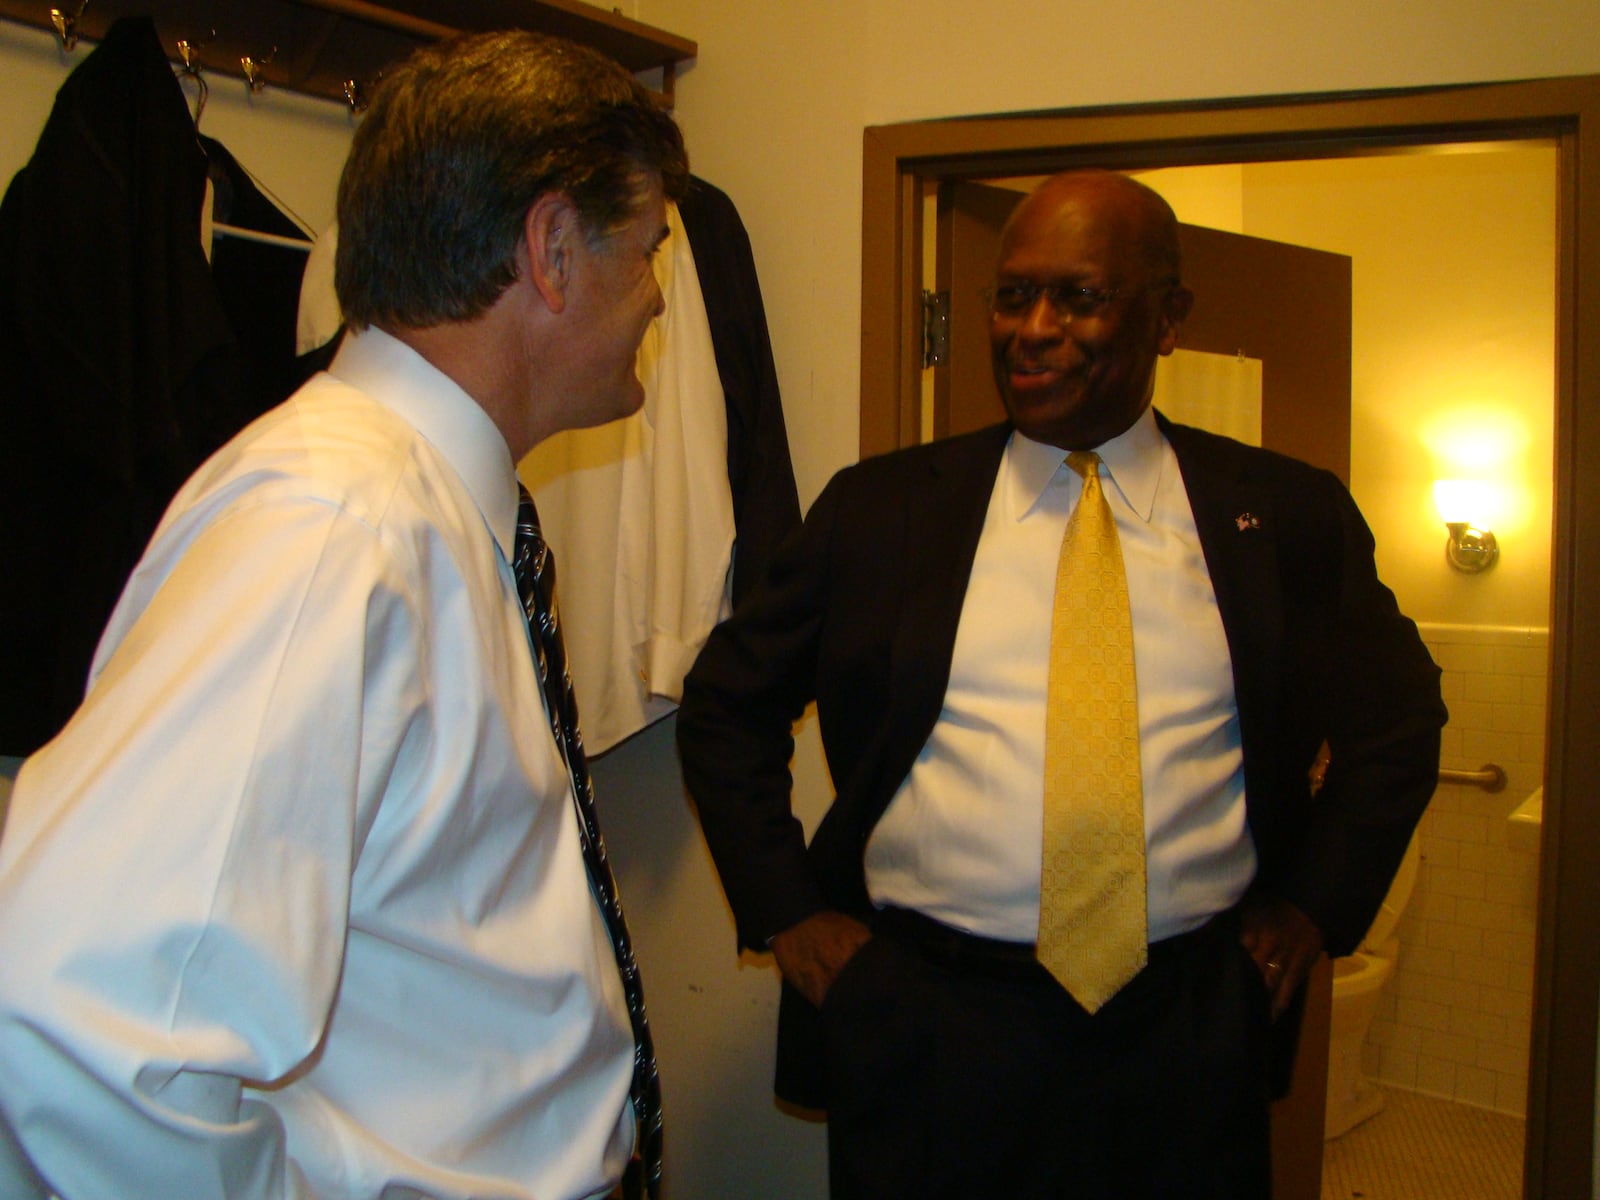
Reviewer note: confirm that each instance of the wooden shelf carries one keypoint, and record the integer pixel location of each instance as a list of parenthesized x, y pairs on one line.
[(317, 47)]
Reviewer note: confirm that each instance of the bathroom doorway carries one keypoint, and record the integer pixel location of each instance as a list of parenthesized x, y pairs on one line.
[(1308, 136)]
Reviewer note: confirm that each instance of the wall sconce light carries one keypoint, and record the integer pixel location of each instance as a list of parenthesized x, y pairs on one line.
[(1469, 549)]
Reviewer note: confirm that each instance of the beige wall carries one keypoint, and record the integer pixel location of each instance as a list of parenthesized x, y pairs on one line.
[(774, 110)]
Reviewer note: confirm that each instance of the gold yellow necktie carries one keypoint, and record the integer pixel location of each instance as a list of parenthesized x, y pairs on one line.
[(1092, 930)]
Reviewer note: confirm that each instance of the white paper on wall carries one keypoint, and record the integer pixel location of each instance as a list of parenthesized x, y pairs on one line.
[(1219, 392)]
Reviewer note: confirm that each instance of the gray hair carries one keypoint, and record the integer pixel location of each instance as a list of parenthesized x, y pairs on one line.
[(459, 142)]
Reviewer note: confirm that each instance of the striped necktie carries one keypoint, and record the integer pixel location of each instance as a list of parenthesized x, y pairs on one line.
[(535, 570)]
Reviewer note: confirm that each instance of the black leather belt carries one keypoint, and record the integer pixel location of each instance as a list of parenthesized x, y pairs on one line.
[(967, 952), (954, 949)]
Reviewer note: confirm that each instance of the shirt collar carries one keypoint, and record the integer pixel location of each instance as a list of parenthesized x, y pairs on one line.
[(1132, 461), (447, 418)]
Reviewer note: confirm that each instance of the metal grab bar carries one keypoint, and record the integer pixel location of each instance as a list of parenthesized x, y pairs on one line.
[(1490, 777)]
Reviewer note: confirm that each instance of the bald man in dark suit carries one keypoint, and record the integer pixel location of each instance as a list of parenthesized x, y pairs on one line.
[(914, 608)]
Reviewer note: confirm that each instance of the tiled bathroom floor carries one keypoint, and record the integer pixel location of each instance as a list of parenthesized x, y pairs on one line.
[(1422, 1148)]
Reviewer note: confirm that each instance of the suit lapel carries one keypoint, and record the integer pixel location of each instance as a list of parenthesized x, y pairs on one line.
[(1237, 521), (943, 509)]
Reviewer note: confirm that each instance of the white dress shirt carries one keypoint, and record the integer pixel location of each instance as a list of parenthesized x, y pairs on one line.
[(295, 905), (961, 840)]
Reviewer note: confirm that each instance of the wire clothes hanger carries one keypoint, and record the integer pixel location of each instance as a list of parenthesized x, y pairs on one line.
[(255, 235), (189, 52), (243, 233), (302, 244), (193, 69)]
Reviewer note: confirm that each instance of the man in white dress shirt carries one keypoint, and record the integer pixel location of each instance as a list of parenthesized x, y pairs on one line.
[(295, 906)]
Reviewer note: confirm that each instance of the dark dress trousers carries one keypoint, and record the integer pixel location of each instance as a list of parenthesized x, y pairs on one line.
[(859, 613)]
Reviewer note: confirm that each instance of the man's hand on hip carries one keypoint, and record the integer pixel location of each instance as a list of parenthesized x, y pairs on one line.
[(812, 953)]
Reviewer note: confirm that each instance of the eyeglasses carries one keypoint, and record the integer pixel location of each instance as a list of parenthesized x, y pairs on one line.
[(1067, 302)]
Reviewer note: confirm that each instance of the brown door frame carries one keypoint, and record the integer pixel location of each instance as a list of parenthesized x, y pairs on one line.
[(900, 160)]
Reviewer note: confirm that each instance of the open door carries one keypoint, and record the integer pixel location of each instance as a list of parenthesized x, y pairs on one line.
[(1286, 306)]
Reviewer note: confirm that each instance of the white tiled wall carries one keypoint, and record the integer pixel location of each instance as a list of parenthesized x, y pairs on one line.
[(1454, 1020)]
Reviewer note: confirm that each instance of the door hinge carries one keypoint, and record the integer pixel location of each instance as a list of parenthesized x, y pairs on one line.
[(935, 328)]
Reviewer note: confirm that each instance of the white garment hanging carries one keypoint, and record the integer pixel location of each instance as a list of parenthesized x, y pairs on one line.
[(319, 318), (640, 516)]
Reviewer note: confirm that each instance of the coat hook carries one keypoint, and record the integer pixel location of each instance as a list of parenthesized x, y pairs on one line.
[(66, 23), (252, 68), (355, 95), (189, 52)]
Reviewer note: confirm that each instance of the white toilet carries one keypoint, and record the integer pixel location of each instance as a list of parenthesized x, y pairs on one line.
[(1358, 981)]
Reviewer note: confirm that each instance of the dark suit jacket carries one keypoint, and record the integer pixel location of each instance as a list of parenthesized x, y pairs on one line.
[(125, 358), (859, 613), (766, 506)]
